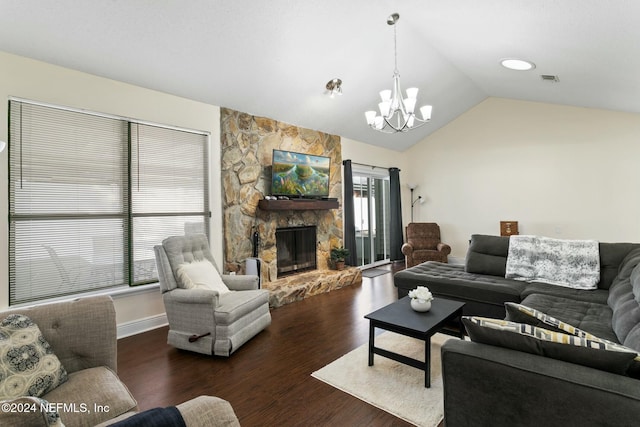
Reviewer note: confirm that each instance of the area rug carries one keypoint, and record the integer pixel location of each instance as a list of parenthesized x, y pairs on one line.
[(389, 385), (373, 272)]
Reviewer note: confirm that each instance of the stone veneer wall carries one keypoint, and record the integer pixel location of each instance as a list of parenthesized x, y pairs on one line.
[(246, 154)]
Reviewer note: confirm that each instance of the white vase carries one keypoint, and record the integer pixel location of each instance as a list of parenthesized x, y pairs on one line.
[(420, 304)]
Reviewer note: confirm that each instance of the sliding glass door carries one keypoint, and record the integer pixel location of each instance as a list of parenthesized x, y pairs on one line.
[(371, 210)]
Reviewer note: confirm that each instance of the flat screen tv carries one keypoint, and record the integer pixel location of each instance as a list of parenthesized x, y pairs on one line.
[(299, 175)]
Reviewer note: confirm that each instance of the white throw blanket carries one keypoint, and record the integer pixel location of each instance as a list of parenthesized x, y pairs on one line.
[(571, 263)]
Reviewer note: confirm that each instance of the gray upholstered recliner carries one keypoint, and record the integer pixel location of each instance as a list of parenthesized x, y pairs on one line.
[(203, 320)]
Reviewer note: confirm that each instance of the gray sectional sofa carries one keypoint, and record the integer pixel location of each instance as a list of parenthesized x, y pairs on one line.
[(498, 384), (481, 282)]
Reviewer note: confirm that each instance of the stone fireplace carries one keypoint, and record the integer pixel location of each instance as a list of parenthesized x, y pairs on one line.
[(247, 144)]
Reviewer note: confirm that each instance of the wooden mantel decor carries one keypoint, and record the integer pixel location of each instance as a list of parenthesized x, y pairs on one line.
[(297, 204)]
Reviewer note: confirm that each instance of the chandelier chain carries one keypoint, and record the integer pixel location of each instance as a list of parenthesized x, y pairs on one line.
[(395, 49)]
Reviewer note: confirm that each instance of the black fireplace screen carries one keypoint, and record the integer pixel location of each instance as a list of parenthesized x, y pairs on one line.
[(296, 248)]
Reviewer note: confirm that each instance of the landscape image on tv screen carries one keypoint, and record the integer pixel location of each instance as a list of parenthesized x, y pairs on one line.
[(299, 175)]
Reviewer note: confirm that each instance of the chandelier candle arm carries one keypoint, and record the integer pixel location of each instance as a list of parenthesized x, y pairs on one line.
[(397, 114)]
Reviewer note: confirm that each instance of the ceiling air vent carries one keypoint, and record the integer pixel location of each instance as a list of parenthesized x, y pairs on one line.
[(550, 78)]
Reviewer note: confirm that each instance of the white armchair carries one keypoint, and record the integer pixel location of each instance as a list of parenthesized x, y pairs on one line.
[(202, 319)]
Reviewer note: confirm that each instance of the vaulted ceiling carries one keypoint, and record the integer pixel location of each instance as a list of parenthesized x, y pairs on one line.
[(273, 58)]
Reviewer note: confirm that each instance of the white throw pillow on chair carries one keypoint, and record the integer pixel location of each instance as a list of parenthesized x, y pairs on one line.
[(201, 274)]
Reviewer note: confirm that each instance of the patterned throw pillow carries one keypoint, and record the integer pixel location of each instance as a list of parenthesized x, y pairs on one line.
[(28, 366), (522, 313), (594, 353)]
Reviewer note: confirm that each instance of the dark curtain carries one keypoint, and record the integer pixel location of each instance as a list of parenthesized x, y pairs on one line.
[(348, 214), (395, 238)]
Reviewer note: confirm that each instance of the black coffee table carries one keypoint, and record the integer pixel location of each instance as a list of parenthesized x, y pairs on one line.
[(399, 317)]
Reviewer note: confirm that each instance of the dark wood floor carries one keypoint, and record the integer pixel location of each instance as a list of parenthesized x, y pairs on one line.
[(268, 380)]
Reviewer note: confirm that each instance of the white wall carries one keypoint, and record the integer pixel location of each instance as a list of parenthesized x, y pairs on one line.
[(25, 78), (359, 152), (562, 172)]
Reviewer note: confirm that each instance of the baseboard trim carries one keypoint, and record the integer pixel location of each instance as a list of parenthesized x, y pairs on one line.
[(142, 325)]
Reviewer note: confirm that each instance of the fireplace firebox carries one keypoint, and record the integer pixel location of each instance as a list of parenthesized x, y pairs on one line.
[(296, 249)]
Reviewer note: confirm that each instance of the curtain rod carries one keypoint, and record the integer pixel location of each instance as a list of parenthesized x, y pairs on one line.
[(371, 166)]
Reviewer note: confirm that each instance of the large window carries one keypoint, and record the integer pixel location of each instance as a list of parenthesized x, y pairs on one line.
[(90, 195)]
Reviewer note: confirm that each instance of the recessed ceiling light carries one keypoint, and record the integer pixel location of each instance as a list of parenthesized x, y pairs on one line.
[(517, 64)]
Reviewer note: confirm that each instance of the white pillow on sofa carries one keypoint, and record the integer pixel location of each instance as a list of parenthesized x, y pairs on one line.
[(201, 274)]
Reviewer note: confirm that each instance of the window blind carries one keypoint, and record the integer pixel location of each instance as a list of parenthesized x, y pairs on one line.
[(91, 195), (169, 191)]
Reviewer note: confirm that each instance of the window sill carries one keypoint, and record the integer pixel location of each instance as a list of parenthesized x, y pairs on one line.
[(115, 293), (131, 290)]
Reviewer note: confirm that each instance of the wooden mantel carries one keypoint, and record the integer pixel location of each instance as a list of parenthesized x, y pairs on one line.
[(297, 204)]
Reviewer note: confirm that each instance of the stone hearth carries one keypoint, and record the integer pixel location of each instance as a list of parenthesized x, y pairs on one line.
[(302, 285)]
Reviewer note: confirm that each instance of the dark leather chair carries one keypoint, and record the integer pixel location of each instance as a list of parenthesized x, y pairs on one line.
[(423, 244)]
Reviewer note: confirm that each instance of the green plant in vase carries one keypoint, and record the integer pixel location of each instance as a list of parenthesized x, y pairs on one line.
[(338, 255)]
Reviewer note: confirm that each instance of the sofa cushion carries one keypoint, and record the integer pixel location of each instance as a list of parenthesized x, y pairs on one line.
[(235, 305), (424, 255), (626, 310), (598, 296), (487, 255), (520, 313), (612, 256), (29, 411), (530, 339), (626, 267), (635, 283), (633, 336), (28, 366), (485, 295), (591, 317), (92, 396)]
